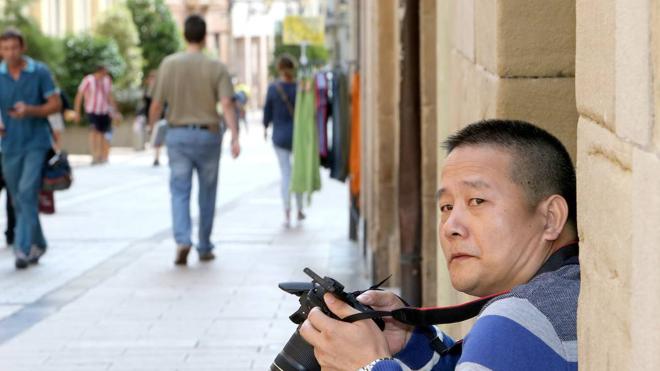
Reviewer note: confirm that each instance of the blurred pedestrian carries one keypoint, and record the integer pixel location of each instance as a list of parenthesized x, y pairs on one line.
[(11, 216), (191, 84), (160, 128), (100, 108), (27, 96), (279, 110), (56, 121), (241, 97)]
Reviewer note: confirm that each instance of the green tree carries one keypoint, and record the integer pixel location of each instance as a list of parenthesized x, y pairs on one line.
[(83, 53), (116, 24), (159, 35), (41, 47)]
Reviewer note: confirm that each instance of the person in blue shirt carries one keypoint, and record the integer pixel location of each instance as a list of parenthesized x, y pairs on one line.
[(27, 96), (507, 210), (279, 111)]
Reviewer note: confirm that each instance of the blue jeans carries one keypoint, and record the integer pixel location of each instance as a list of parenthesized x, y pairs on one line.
[(284, 159), (188, 150), (23, 175)]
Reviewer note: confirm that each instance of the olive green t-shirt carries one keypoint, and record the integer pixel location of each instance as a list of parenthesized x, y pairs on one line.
[(192, 84)]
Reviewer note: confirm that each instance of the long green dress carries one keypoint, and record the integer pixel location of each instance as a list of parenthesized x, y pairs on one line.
[(305, 176)]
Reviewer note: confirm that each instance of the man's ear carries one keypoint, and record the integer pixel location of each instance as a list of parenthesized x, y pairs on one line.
[(555, 212)]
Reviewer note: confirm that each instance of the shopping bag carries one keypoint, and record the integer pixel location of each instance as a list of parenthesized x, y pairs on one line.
[(46, 202)]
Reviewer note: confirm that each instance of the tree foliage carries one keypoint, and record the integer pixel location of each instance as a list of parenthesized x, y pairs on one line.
[(83, 53), (158, 32), (116, 24)]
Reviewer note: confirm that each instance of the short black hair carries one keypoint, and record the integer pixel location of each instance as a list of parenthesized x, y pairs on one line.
[(540, 162), (194, 29), (12, 33)]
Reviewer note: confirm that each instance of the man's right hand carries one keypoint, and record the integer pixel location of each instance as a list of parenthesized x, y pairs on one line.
[(235, 148), (396, 333), (76, 117)]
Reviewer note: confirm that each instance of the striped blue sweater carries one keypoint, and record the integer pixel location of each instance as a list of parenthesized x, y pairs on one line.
[(534, 327)]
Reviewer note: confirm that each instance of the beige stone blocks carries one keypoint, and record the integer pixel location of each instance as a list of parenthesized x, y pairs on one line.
[(655, 50), (525, 38), (645, 327), (463, 27), (473, 93), (595, 60), (547, 102), (605, 214), (634, 99)]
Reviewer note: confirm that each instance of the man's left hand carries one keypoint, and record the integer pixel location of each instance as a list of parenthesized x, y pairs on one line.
[(341, 345)]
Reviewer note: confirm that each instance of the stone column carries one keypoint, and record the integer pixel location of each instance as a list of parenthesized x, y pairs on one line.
[(380, 96), (428, 70), (618, 171)]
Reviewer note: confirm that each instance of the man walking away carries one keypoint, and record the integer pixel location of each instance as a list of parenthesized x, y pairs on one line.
[(101, 109), (27, 96), (191, 84)]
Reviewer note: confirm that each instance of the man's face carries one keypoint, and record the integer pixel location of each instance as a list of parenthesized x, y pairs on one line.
[(11, 51), (489, 233)]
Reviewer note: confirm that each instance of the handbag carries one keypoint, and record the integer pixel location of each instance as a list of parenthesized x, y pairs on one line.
[(57, 174)]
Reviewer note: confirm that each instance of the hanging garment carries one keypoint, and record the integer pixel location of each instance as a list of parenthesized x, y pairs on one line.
[(321, 92), (354, 157), (340, 126), (306, 175)]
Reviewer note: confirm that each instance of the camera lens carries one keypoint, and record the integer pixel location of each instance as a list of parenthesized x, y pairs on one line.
[(297, 355)]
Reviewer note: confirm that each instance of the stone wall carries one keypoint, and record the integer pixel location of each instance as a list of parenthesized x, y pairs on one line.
[(618, 169), (510, 59)]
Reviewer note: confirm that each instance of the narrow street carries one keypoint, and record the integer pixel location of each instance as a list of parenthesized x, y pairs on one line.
[(106, 296)]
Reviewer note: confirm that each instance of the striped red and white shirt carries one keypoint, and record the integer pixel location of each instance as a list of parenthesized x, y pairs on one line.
[(96, 94)]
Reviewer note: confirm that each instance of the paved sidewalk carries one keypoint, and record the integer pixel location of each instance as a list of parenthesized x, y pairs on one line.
[(132, 309)]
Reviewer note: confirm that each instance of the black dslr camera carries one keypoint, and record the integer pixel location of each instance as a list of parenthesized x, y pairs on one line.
[(298, 354)]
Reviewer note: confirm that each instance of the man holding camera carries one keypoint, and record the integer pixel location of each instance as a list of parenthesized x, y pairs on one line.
[(508, 216)]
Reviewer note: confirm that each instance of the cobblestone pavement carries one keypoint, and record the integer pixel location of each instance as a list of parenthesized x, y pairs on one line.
[(106, 296)]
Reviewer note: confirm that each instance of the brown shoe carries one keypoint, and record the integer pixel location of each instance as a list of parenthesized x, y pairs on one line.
[(182, 255), (207, 256)]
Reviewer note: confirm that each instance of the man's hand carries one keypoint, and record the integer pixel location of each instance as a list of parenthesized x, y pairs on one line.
[(19, 111), (396, 333), (76, 117), (341, 345), (235, 148), (117, 117)]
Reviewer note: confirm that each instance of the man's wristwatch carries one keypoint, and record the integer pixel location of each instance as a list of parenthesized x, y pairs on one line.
[(371, 365)]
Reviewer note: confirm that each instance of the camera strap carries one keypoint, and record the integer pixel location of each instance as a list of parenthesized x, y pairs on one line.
[(423, 317)]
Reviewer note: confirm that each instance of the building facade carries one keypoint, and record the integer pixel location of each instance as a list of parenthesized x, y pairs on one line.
[(59, 17)]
